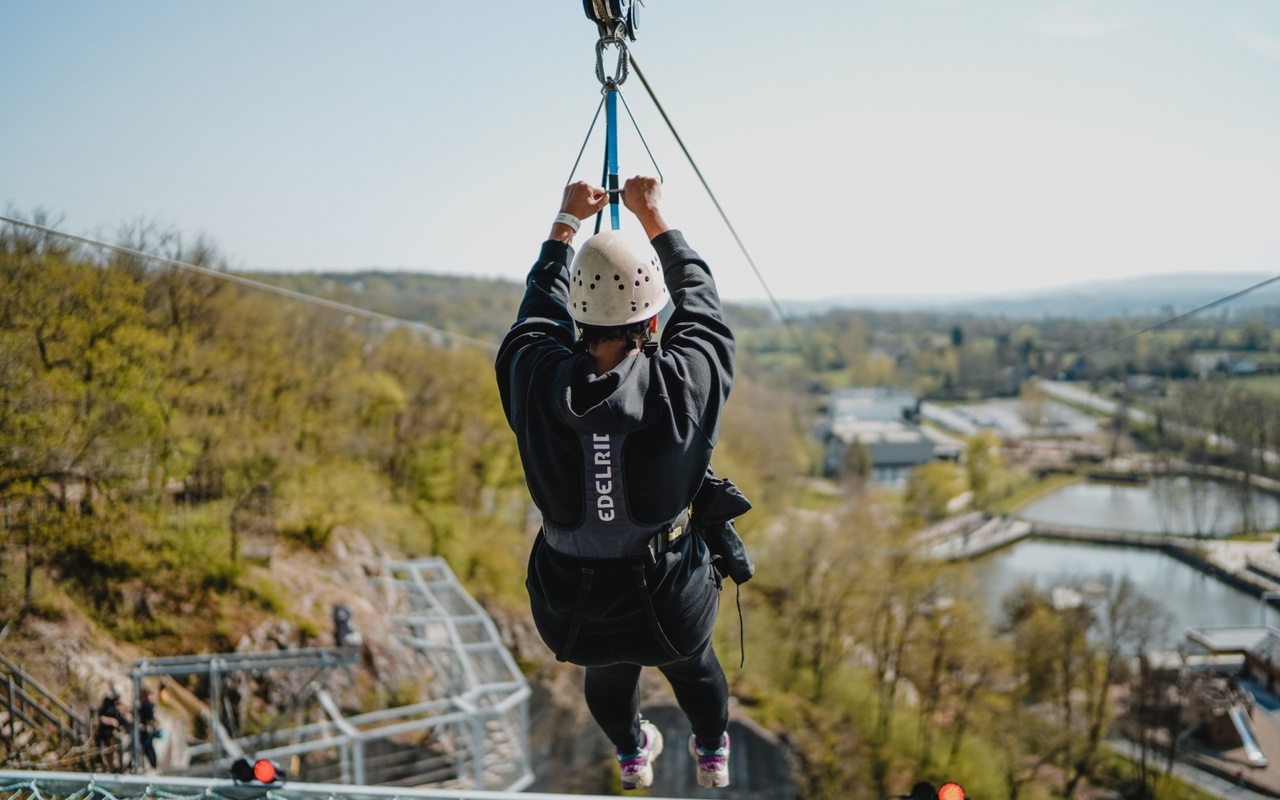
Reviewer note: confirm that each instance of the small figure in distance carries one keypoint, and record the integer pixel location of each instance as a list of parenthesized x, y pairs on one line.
[(111, 723), (150, 728)]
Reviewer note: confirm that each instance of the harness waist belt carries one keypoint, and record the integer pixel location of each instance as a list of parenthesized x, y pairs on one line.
[(627, 542)]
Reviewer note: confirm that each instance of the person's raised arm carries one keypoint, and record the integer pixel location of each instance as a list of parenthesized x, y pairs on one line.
[(695, 339), (543, 328), (581, 200), (641, 195)]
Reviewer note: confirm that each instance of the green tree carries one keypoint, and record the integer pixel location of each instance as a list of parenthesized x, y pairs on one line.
[(984, 467), (1256, 336), (930, 487)]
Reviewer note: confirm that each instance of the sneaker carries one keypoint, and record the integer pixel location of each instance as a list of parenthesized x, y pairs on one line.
[(637, 768), (713, 764)]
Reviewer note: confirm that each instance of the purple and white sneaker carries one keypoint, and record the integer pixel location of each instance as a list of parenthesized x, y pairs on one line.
[(637, 767), (713, 763)]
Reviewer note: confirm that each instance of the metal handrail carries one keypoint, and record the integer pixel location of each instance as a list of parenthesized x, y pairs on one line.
[(77, 723), (15, 693), (28, 785)]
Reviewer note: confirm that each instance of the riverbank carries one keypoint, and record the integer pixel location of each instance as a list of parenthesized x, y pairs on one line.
[(1252, 567), (1014, 503)]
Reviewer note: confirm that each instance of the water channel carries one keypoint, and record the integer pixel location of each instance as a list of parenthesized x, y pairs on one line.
[(1165, 505), (1192, 598)]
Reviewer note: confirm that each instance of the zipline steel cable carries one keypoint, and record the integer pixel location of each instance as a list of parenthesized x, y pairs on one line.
[(332, 305), (1180, 317), (777, 307)]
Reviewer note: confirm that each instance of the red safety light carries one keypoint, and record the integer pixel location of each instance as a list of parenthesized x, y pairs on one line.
[(265, 772), (951, 791), (261, 771)]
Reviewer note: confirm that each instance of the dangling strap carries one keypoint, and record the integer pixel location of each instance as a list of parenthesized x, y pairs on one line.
[(579, 608), (742, 629), (643, 588)]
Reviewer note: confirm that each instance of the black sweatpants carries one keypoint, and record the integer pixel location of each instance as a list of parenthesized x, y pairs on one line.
[(613, 696)]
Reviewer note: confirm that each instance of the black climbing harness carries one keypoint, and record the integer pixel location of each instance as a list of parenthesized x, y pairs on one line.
[(588, 573), (658, 544)]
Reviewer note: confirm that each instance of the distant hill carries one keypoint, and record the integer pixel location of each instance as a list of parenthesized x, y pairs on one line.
[(485, 307), (1142, 296), (479, 307)]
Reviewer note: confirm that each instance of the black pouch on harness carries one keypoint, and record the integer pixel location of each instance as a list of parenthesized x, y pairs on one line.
[(715, 506)]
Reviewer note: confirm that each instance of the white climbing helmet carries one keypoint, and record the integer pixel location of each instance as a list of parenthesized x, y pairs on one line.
[(610, 284)]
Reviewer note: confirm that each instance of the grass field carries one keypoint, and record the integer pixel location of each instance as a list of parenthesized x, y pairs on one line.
[(1268, 385), (1015, 501)]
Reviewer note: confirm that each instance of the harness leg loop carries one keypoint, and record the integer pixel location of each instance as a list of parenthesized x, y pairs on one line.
[(642, 587), (579, 608)]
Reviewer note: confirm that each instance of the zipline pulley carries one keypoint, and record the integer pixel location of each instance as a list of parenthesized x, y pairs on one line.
[(615, 18)]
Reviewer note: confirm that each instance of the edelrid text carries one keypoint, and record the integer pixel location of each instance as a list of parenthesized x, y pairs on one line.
[(604, 477)]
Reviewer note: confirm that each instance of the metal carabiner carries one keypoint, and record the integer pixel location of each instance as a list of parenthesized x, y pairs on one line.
[(621, 69)]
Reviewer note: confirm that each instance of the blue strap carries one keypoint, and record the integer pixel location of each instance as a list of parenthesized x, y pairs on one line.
[(611, 152)]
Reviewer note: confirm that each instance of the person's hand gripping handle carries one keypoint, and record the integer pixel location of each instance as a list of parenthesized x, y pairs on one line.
[(641, 196), (581, 200)]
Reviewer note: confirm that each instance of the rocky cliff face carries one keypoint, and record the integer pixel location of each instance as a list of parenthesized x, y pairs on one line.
[(572, 756)]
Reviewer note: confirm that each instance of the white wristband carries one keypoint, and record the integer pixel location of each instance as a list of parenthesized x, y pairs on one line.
[(570, 220)]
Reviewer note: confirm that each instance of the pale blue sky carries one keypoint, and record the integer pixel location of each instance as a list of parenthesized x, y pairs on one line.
[(876, 146)]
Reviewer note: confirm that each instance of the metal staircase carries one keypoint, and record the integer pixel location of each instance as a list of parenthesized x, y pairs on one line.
[(472, 735)]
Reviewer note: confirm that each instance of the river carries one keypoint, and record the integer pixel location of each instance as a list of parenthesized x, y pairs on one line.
[(1192, 598), (1165, 505)]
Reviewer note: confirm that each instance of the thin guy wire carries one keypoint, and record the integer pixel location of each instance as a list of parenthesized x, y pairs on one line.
[(332, 305), (1180, 317), (583, 149), (773, 300), (639, 133)]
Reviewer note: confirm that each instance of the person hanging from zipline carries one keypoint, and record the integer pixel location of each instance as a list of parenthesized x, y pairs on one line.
[(615, 433)]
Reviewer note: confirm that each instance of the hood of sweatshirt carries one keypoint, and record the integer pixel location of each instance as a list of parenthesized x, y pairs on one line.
[(609, 403)]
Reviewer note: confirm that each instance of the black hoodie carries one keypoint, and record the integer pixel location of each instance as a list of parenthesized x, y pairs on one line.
[(668, 402)]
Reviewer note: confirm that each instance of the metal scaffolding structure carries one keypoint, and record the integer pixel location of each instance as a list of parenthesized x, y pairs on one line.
[(213, 667), (472, 734)]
